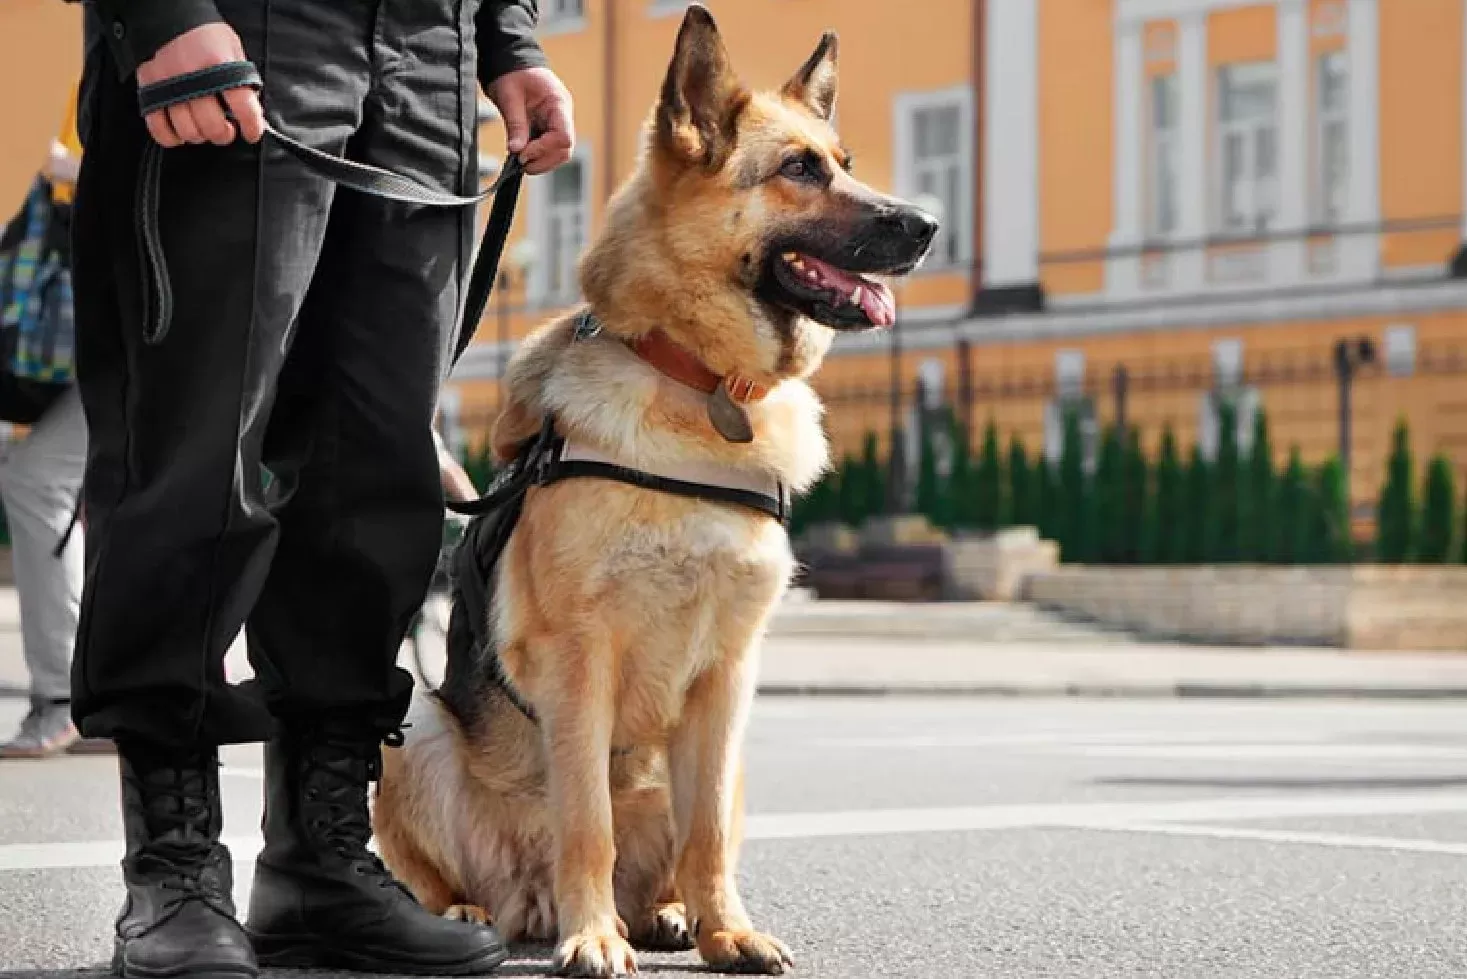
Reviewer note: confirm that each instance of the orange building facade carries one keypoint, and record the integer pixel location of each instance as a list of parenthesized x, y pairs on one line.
[(1148, 205)]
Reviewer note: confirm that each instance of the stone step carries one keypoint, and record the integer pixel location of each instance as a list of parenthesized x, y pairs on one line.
[(979, 622)]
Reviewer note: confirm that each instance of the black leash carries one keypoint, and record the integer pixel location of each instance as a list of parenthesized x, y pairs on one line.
[(356, 176)]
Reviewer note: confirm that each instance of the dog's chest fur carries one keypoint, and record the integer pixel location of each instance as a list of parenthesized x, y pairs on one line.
[(675, 584)]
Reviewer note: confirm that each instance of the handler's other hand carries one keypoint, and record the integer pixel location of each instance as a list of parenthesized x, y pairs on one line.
[(202, 120), (535, 96)]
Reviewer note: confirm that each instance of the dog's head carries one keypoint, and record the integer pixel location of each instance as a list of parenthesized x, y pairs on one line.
[(751, 201)]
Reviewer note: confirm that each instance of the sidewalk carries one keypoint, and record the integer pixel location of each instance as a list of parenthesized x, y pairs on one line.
[(981, 649)]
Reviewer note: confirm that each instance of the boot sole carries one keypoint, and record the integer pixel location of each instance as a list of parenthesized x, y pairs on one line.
[(313, 953), (120, 968)]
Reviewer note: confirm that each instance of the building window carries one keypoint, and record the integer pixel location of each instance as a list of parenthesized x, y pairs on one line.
[(565, 229), (560, 218), (1331, 136), (556, 10), (935, 159), (1247, 147), (661, 8), (560, 16), (1400, 349), (1162, 203)]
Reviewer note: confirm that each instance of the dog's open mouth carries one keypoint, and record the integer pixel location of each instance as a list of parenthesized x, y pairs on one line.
[(834, 296)]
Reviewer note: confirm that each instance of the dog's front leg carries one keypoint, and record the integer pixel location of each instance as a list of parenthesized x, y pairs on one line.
[(705, 756), (578, 726)]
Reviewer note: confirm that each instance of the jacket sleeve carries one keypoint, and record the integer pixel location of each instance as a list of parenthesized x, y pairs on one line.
[(136, 29), (505, 35)]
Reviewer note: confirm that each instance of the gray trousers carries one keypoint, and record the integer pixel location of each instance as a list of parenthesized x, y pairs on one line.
[(40, 477)]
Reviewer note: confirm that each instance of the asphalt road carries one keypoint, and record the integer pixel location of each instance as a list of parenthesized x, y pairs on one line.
[(977, 837)]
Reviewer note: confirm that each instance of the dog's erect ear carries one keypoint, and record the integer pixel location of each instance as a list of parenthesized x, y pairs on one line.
[(815, 83), (701, 96)]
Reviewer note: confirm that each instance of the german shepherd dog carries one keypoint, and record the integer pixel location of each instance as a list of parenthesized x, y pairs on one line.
[(629, 618)]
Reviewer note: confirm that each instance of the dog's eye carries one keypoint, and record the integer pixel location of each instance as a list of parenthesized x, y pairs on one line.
[(800, 168), (796, 169)]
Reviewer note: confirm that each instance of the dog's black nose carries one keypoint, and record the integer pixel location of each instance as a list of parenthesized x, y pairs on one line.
[(919, 225), (914, 224)]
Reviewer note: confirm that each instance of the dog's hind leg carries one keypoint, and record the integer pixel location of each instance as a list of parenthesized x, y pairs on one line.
[(405, 857), (646, 898), (705, 757)]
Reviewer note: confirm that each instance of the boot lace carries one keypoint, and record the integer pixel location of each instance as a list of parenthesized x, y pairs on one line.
[(336, 780), (178, 806)]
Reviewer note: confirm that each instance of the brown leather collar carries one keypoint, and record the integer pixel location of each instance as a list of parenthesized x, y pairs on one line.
[(659, 350)]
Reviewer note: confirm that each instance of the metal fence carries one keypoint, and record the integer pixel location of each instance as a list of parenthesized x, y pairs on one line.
[(1342, 401)]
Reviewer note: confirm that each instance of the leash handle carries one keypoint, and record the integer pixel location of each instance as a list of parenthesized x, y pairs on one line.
[(361, 177)]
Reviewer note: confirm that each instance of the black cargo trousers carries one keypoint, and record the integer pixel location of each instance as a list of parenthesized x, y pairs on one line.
[(311, 331)]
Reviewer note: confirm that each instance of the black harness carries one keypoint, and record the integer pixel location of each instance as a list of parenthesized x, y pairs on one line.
[(473, 657)]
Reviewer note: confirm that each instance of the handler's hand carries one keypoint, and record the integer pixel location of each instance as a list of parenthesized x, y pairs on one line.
[(202, 120), (536, 95)]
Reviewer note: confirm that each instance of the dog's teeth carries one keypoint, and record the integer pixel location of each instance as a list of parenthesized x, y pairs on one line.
[(812, 275), (792, 257), (856, 295)]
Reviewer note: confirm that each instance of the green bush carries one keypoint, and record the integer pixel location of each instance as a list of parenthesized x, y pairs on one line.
[(1166, 534), (873, 476), (850, 492), (961, 490), (1022, 486), (1330, 519), (1438, 513), (1257, 521), (930, 500), (1047, 499), (1136, 489), (1222, 528), (1108, 490), (1076, 528), (1396, 511), (1197, 511), (988, 496), (1291, 540)]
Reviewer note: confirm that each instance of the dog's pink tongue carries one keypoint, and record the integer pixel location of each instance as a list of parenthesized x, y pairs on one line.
[(879, 304), (877, 301)]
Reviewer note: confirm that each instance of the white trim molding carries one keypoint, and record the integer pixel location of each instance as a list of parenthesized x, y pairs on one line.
[(1285, 263), (538, 204), (1011, 143), (905, 106)]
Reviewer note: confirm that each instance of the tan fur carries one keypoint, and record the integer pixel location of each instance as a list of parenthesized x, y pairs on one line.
[(632, 619)]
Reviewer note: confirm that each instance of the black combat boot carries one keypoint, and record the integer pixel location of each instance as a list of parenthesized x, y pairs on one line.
[(178, 920), (321, 898)]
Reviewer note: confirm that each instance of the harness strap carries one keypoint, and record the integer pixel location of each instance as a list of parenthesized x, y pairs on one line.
[(360, 177), (776, 506)]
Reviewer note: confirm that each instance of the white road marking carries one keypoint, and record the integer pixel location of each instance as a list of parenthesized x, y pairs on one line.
[(1272, 752), (883, 822), (1076, 738), (1342, 840), (873, 822)]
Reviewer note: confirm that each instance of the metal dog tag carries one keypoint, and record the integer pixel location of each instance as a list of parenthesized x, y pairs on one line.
[(729, 417)]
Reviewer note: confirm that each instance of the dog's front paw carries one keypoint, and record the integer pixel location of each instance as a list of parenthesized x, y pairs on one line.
[(467, 912), (744, 951), (665, 930), (595, 954)]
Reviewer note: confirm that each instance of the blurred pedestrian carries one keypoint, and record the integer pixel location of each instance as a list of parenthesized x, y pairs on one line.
[(304, 346), (41, 474)]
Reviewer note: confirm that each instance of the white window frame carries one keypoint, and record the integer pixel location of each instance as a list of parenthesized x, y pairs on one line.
[(907, 168), (540, 217), (555, 19), (664, 8), (1160, 143), (1248, 130), (1324, 117)]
